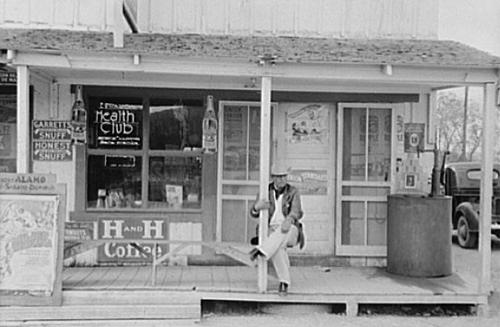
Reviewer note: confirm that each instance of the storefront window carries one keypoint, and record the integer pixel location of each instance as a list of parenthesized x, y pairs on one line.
[(174, 182), (8, 139), (367, 145), (241, 143), (114, 181), (175, 127), (136, 137)]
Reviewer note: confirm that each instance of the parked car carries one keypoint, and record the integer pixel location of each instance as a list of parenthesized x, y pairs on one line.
[(461, 180)]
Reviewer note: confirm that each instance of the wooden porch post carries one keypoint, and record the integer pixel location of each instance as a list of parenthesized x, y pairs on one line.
[(118, 28), (489, 118), (23, 119), (265, 133)]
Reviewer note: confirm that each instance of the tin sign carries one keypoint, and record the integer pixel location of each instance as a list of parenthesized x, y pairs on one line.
[(118, 230), (52, 140)]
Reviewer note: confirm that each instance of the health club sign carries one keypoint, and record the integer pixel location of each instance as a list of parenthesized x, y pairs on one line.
[(118, 231), (117, 127)]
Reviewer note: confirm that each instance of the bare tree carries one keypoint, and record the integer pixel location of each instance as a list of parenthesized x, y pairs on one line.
[(453, 126), (449, 121)]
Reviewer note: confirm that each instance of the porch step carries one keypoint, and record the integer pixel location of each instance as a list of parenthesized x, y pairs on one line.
[(101, 312), (106, 323), (111, 305)]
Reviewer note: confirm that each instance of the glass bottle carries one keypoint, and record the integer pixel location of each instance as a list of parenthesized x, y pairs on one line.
[(209, 141)]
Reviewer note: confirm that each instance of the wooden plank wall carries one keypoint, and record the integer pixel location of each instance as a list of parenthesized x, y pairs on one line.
[(326, 18), (318, 18), (96, 15)]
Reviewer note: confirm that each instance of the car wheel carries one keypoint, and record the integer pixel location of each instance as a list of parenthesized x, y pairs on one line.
[(466, 238)]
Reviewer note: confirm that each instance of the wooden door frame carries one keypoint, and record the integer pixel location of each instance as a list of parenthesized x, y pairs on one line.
[(359, 250), (220, 158)]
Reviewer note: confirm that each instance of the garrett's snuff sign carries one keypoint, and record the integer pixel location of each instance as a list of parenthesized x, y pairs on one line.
[(52, 140)]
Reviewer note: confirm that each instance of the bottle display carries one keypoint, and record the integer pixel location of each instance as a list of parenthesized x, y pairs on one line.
[(209, 141)]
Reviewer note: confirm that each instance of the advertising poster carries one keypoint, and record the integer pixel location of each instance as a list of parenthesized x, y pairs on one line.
[(414, 137), (174, 195), (118, 230), (309, 182), (307, 124), (28, 243)]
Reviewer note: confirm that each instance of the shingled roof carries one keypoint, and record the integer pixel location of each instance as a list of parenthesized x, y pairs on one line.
[(286, 49)]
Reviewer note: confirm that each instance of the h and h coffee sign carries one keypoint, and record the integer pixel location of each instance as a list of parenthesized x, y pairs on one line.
[(119, 230)]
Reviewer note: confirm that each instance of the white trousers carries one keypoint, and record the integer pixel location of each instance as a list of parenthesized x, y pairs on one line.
[(274, 248)]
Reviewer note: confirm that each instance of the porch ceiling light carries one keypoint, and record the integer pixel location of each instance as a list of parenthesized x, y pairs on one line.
[(387, 69), (137, 59), (11, 54)]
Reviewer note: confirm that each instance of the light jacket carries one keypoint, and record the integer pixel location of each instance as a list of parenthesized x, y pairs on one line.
[(291, 205)]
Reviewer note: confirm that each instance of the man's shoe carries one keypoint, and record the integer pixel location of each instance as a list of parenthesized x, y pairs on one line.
[(283, 289), (255, 253)]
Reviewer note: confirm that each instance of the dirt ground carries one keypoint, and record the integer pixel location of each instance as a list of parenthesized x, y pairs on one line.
[(469, 260)]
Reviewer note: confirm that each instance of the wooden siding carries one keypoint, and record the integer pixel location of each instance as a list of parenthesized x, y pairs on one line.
[(94, 15), (317, 18), (314, 18)]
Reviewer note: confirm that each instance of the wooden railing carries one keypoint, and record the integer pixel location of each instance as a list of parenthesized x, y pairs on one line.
[(232, 250)]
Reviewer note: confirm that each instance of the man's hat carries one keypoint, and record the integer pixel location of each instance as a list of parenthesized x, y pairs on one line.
[(280, 168)]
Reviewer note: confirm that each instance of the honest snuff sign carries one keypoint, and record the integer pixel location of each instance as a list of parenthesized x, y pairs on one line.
[(117, 126), (27, 183), (52, 140), (118, 230)]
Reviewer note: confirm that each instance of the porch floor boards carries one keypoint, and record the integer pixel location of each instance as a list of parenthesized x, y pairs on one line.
[(119, 293), (306, 281)]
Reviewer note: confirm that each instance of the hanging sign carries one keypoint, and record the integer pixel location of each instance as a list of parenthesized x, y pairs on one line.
[(52, 140), (414, 137), (117, 126), (111, 161)]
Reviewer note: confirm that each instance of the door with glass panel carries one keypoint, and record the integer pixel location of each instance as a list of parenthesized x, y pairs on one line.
[(365, 177), (238, 170)]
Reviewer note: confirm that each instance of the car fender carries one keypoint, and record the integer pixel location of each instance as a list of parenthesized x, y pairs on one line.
[(468, 211)]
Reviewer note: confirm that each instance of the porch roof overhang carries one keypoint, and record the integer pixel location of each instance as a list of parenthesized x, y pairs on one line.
[(147, 59)]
